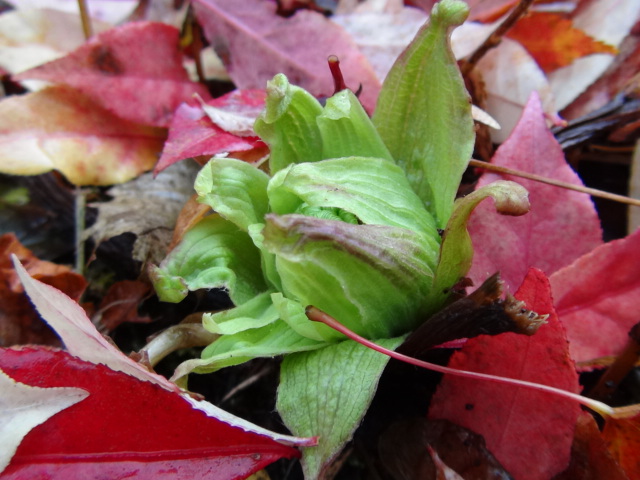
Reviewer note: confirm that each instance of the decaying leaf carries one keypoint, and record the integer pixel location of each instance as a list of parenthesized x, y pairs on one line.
[(19, 324), (147, 207)]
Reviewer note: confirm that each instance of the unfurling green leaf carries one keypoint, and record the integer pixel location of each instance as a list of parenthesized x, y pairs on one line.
[(213, 254), (424, 112), (347, 130), (234, 189), (456, 252), (374, 190), (288, 124)]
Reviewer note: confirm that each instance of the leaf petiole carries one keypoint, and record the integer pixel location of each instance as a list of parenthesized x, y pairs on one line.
[(317, 315)]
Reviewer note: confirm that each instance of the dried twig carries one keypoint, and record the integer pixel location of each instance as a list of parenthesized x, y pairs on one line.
[(557, 183), (86, 19), (496, 37)]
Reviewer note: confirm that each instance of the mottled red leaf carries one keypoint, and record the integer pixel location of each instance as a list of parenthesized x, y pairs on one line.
[(193, 133), (622, 435), (134, 71), (19, 324), (529, 432), (561, 226), (255, 44), (126, 428), (61, 128), (597, 298), (553, 40)]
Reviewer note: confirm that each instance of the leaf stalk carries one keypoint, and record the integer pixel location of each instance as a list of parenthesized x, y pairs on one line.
[(317, 315)]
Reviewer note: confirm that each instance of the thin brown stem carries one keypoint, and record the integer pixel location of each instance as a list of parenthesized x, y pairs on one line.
[(616, 372), (556, 183), (86, 19), (496, 37)]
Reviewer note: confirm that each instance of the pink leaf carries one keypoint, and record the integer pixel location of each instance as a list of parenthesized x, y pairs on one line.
[(126, 428), (193, 133), (135, 71), (561, 226), (255, 44), (597, 298), (522, 427)]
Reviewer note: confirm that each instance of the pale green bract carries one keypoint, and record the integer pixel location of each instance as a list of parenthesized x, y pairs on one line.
[(357, 218)]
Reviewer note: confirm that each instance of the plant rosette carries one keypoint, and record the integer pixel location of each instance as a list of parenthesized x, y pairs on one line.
[(358, 217)]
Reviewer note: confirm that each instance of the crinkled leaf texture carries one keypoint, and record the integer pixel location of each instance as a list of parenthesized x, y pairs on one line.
[(327, 392), (60, 128), (371, 277), (124, 427), (522, 427), (423, 113), (213, 254), (135, 71), (597, 298), (562, 218)]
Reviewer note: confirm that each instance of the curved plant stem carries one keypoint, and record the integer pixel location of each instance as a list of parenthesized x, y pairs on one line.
[(557, 183), (318, 315)]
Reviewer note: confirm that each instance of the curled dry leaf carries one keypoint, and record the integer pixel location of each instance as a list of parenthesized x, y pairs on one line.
[(120, 303), (19, 324), (148, 207)]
